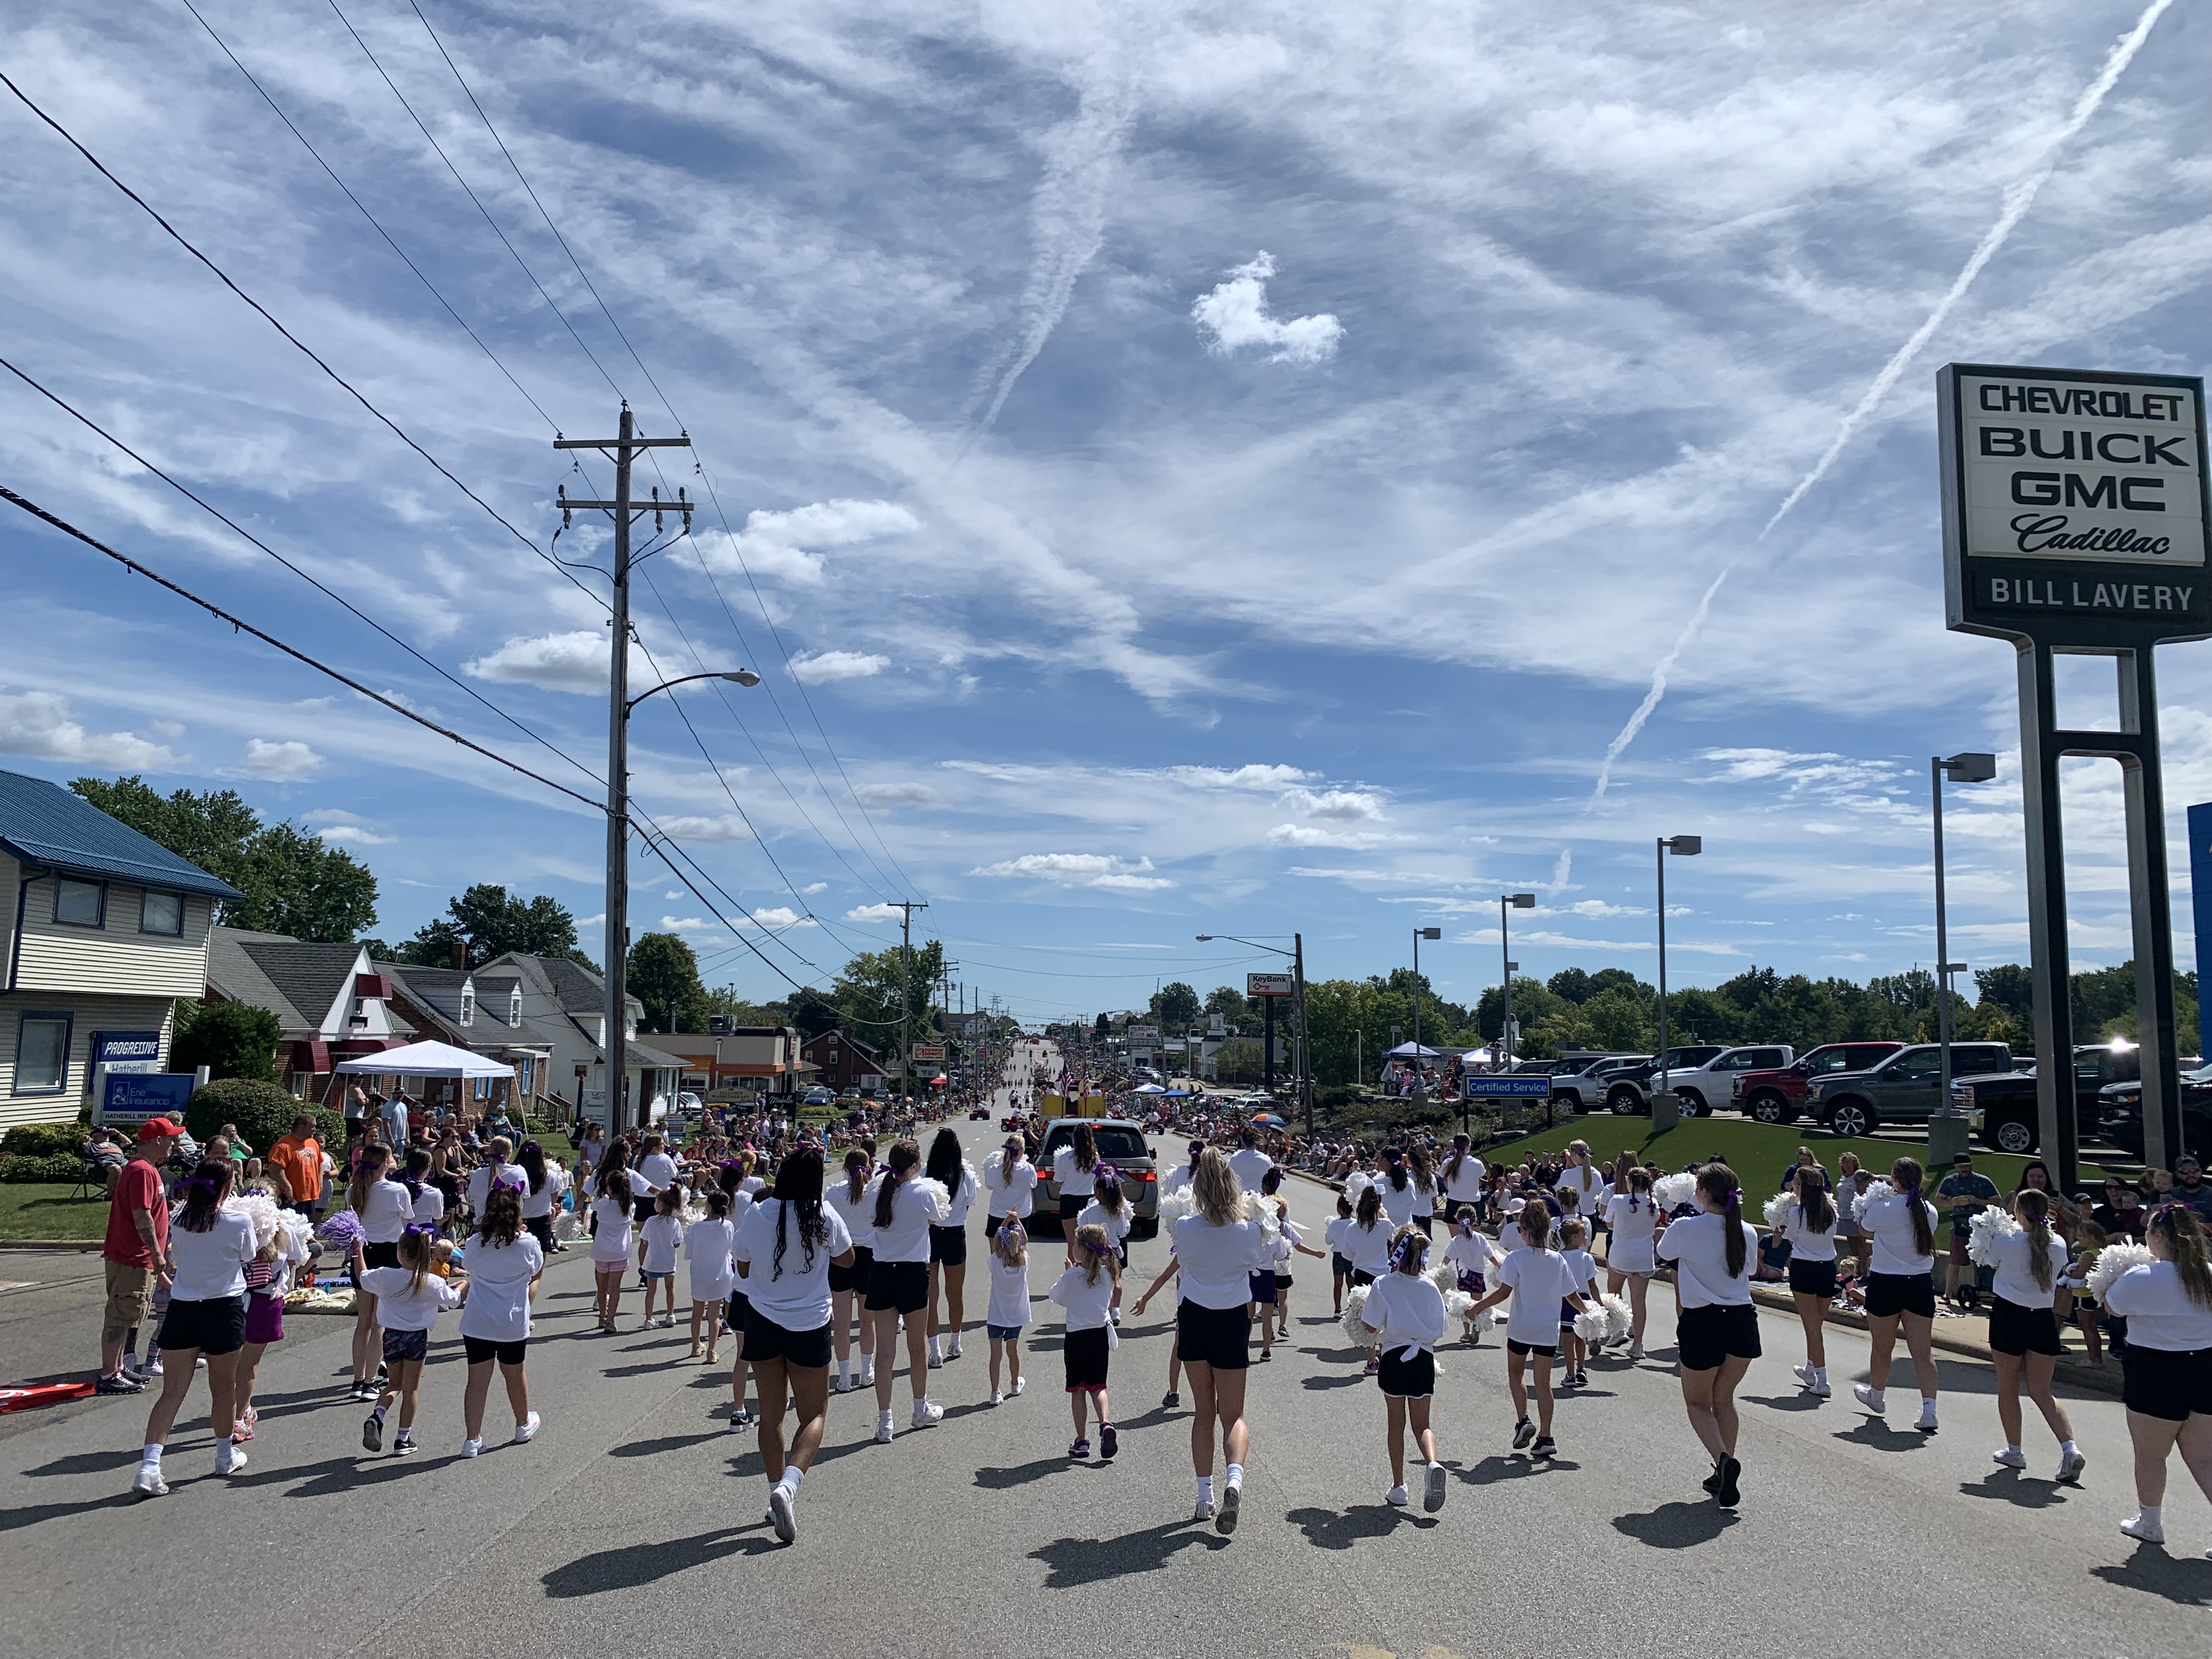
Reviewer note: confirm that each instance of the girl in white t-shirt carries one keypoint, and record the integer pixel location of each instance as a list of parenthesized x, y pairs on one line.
[(409, 1299), (1631, 1222), (611, 1235), (1340, 1260), (853, 1197), (1087, 1290), (2024, 1331), (1574, 1233), (1009, 1309), (1110, 1211), (1471, 1257), (948, 1243), (1717, 1337), (661, 1240), (1900, 1288), (1537, 1280), (707, 1252), (2168, 1303), (1405, 1311), (1808, 1227)]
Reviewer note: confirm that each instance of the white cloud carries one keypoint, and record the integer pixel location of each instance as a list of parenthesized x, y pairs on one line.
[(785, 544), (575, 661), (726, 828), (1255, 776), (281, 762), (814, 887), (777, 917), (897, 795), (1345, 804), (687, 924), (355, 836), (873, 912), (1235, 315), (824, 666), (1080, 870), (1305, 835), (36, 724)]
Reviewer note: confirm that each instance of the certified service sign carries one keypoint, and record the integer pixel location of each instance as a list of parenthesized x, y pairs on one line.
[(2075, 506)]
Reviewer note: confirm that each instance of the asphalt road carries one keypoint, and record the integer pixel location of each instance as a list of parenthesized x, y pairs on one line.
[(633, 1524)]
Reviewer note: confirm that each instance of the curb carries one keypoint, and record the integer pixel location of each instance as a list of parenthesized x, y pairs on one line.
[(88, 1244)]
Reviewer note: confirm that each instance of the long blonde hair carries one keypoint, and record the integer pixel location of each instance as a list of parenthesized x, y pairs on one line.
[(1097, 1252), (1010, 1244), (1214, 1188), (2033, 1210)]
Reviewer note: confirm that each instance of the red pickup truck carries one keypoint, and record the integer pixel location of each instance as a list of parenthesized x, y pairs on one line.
[(1779, 1096)]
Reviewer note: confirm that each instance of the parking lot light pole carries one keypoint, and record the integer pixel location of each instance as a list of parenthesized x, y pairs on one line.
[(1682, 846), (1420, 934), (1508, 901), (1959, 768)]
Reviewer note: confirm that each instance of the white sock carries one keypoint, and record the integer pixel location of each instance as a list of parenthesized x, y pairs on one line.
[(934, 1353), (792, 1475), (2150, 1514), (1206, 1489), (151, 1457), (1235, 1475), (2014, 1449), (1819, 1373), (844, 1371)]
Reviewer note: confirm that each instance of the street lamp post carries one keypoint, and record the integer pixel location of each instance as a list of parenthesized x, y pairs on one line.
[(1507, 902), (1301, 1058), (1959, 768), (1420, 934), (1682, 846)]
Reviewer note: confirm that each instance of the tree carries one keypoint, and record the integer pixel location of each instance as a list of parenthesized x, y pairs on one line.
[(231, 1039), (293, 882), (725, 999), (664, 976), (1104, 1029), (870, 988), (814, 1011), (487, 923), (1228, 1002), (1175, 1007)]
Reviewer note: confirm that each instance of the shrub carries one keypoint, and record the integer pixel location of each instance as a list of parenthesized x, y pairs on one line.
[(56, 1167), (231, 1039), (262, 1111), (43, 1140)]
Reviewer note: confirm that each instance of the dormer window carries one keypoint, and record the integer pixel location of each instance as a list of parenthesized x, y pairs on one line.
[(469, 1005), (514, 1006)]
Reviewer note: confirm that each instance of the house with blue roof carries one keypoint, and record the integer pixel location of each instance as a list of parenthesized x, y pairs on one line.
[(108, 930)]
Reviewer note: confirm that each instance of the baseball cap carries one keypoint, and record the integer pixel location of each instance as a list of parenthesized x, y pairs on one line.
[(1958, 1158), (159, 1128)]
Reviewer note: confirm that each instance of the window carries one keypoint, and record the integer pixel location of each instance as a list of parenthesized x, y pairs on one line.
[(468, 1004), (42, 1046), (161, 913), (80, 903), (514, 1006)]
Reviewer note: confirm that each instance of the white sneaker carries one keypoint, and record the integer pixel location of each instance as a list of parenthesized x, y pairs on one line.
[(952, 1348), (926, 1412), (1203, 1512), (841, 1385), (1020, 1383), (1636, 1351), (1820, 1389), (1433, 1498), (1926, 1424), (148, 1482), (1397, 1498), (883, 1428), (2070, 1465), (472, 1448), (527, 1431), (781, 1514), (2148, 1532), (996, 1397), (229, 1458), (1875, 1400), (2012, 1457)]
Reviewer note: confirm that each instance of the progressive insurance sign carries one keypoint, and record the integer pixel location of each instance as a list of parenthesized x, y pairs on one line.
[(2075, 505)]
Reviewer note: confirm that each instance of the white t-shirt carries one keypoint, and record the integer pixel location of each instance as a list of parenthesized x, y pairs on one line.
[(1085, 1300), (1807, 1244), (385, 1213), (2159, 1312), (664, 1238), (211, 1265), (2015, 1280), (1397, 1203), (1010, 1293), (1888, 1220), (401, 1304), (659, 1170), (1369, 1247), (539, 1205), (1405, 1311), (1333, 1235), (1471, 1253), (961, 1193), (1540, 1280), (916, 1207), (1005, 1196), (611, 1242), (498, 1305), (707, 1247), (1630, 1249), (1071, 1181), (1466, 1187), (1582, 1266), (480, 1179), (1698, 1246), (1094, 1214), (1250, 1166), (1424, 1198), (1583, 1181), (430, 1206), (1217, 1262), (795, 1296), (858, 1214)]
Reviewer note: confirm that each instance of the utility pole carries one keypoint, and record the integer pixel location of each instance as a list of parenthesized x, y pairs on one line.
[(622, 450), (906, 908), (1304, 1055)]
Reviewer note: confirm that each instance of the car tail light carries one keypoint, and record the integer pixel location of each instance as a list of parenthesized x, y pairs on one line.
[(1148, 1176)]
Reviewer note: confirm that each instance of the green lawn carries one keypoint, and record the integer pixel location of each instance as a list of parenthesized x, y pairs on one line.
[(1757, 1152), (34, 1209)]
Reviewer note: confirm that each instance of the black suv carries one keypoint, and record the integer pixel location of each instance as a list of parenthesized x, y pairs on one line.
[(1901, 1090)]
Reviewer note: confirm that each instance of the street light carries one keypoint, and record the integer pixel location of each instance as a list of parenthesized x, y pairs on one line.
[(735, 676), (1682, 846), (1959, 768), (1302, 1061), (1420, 934), (1508, 901)]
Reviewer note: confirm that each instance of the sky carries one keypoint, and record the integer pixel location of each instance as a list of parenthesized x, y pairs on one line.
[(1179, 469)]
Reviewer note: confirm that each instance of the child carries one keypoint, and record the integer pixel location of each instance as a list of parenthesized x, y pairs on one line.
[(1110, 1210), (1010, 1302), (266, 1278), (1289, 1241), (1087, 1292), (408, 1298), (1406, 1312), (2088, 1239), (610, 1210), (662, 1236), (1340, 1264), (1472, 1255), (706, 1247), (1573, 1234), (1537, 1280)]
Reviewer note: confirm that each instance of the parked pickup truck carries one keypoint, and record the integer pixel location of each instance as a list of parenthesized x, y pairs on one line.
[(1900, 1090), (1777, 1094), (1580, 1087), (2120, 1112), (1628, 1092), (2012, 1121)]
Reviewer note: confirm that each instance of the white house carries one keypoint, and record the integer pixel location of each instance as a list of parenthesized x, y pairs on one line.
[(331, 1003), (566, 1003), (108, 930)]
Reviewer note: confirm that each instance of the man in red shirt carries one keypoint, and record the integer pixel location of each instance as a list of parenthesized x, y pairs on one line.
[(136, 1254)]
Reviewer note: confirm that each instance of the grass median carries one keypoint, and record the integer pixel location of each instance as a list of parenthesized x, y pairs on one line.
[(38, 1209)]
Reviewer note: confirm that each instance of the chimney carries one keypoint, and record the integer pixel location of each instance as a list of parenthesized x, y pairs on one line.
[(460, 955)]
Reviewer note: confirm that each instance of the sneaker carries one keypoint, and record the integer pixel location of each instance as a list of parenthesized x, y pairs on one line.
[(1926, 1423), (1203, 1512), (1079, 1449), (2070, 1466), (527, 1431), (1875, 1400), (1636, 1351), (1820, 1389), (404, 1446), (997, 1398), (117, 1383), (1397, 1498), (152, 1367), (926, 1412), (1109, 1441), (472, 1448), (781, 1514), (1726, 1494), (952, 1348), (1020, 1383), (372, 1433), (740, 1420), (228, 1459), (148, 1483), (1804, 1374), (841, 1385), (1232, 1499), (1711, 1483), (2148, 1532), (1432, 1491), (1545, 1447), (937, 1362), (668, 1321), (1523, 1432), (2012, 1457), (1170, 1401), (883, 1428)]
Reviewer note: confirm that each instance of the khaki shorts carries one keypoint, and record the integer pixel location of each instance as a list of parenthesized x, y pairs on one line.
[(130, 1295)]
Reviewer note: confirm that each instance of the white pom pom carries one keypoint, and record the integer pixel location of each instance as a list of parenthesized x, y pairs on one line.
[(1878, 1188), (1355, 1185), (2113, 1261), (1457, 1302), (1670, 1192), (1991, 1226), (1263, 1214), (1445, 1275), (1590, 1324), (1620, 1317), (568, 1226), (259, 1208), (1355, 1333), (1175, 1206), (1778, 1208), (1487, 1320), (936, 1187)]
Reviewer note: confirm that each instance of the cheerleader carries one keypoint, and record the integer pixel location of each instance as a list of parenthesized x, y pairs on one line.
[(1631, 1221), (1340, 1264), (1425, 1190), (1179, 1178), (1367, 1242), (427, 1205), (784, 1251), (2167, 1363), (205, 1261), (1405, 1312), (409, 1297), (383, 1206), (948, 1242), (1072, 1167), (898, 1281), (1215, 1250), (1901, 1285), (2024, 1330), (544, 1184), (1393, 1185), (1009, 1186), (1537, 1280), (661, 1240), (1009, 1309), (1460, 1180), (1808, 1228), (1472, 1256), (706, 1245), (1581, 1178), (505, 1262), (610, 1228), (1110, 1210), (1087, 1289), (1574, 1347), (854, 1197), (1717, 1337), (267, 1278)]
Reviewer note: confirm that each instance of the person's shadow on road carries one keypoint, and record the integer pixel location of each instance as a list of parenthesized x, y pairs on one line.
[(1018, 1475), (1339, 1529), (1676, 1526), (1876, 1432), (1519, 1466), (2151, 1569), (638, 1565), (2006, 1485), (1072, 1563)]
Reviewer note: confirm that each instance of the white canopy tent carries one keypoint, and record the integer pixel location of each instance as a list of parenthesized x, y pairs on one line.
[(427, 1060), (1411, 1051)]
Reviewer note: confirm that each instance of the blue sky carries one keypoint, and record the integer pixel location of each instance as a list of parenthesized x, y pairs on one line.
[(1207, 468)]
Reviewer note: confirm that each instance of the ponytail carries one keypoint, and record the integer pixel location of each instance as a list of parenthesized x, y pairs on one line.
[(1718, 1183), (1906, 1175), (2033, 1210), (2185, 1247), (904, 1155), (1812, 1205)]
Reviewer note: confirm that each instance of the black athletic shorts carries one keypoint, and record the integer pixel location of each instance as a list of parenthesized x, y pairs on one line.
[(1340, 1264), (1219, 1337), (1813, 1278), (2017, 1330), (2166, 1382), (765, 1340), (854, 1278), (482, 1350), (380, 1256), (1361, 1276), (948, 1246), (1546, 1350), (1408, 1379), (1889, 1294), (1705, 1336), (1084, 1353), (215, 1327), (901, 1284)]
